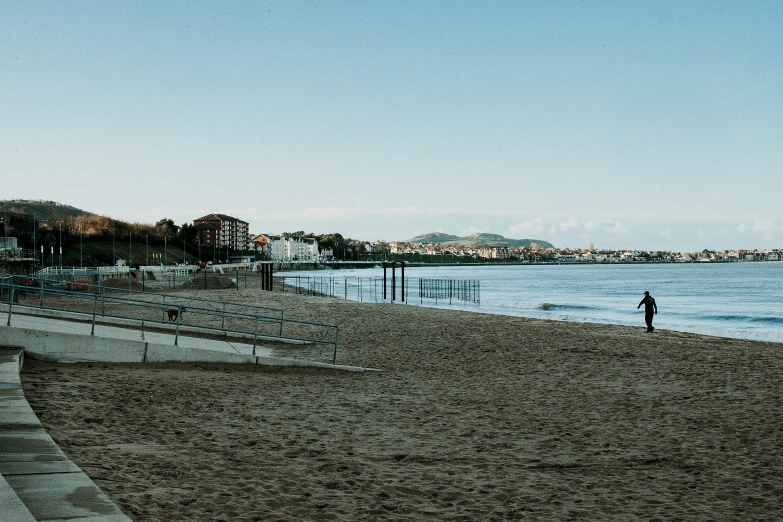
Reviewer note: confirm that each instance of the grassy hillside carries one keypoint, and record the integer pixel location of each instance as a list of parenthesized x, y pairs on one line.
[(475, 240), (99, 253), (40, 210)]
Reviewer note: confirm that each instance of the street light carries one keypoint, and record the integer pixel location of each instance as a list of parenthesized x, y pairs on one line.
[(33, 240)]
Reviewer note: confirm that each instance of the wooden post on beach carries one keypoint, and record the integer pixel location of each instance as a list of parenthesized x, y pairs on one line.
[(384, 280), (394, 281), (402, 280)]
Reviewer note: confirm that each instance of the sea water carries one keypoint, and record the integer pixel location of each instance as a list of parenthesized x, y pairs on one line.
[(739, 300)]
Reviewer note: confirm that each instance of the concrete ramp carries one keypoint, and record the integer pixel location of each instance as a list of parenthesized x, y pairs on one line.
[(61, 340)]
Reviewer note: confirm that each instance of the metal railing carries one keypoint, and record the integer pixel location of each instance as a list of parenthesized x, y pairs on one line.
[(413, 290), (162, 298), (215, 320)]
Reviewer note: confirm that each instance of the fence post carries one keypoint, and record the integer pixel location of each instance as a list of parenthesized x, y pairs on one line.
[(336, 333), (179, 320), (223, 322), (94, 311), (10, 306)]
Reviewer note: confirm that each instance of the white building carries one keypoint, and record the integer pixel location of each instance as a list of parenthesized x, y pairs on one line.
[(287, 248)]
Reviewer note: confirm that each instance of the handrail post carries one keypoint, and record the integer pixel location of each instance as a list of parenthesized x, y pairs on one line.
[(179, 320), (163, 311), (94, 310), (255, 337), (42, 284), (281, 323), (223, 322), (10, 306), (336, 333)]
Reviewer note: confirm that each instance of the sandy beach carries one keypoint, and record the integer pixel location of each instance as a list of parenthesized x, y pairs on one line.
[(475, 417)]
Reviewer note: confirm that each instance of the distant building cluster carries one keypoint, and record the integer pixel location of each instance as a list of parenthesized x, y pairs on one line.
[(287, 248), (222, 230), (225, 231), (590, 255)]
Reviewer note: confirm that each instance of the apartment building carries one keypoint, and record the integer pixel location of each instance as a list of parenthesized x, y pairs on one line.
[(222, 230), (286, 248)]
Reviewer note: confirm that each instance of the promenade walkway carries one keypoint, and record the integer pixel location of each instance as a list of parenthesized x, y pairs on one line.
[(124, 333)]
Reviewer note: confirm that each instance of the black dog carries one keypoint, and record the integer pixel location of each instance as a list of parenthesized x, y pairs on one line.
[(173, 314)]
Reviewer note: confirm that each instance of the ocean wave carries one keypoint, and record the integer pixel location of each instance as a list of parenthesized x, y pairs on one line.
[(516, 305), (747, 319), (553, 306)]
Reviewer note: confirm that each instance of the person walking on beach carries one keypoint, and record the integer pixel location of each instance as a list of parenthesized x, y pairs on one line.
[(649, 308)]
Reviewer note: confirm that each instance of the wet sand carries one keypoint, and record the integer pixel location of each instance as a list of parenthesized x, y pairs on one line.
[(476, 417)]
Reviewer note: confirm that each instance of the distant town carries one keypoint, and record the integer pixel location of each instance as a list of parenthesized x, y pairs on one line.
[(36, 230)]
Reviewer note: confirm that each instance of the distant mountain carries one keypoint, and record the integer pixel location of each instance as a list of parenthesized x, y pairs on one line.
[(41, 210), (475, 240), (434, 237)]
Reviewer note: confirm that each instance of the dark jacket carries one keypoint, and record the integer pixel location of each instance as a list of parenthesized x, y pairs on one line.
[(649, 304)]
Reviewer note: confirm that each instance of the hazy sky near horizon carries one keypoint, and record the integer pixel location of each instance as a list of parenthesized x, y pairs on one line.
[(652, 125)]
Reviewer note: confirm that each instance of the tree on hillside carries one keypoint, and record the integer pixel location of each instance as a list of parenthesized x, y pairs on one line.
[(186, 232), (166, 228), (299, 234)]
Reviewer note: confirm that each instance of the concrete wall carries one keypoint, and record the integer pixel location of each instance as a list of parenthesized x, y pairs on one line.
[(68, 347)]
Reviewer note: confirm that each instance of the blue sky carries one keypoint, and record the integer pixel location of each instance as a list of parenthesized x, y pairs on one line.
[(653, 125)]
